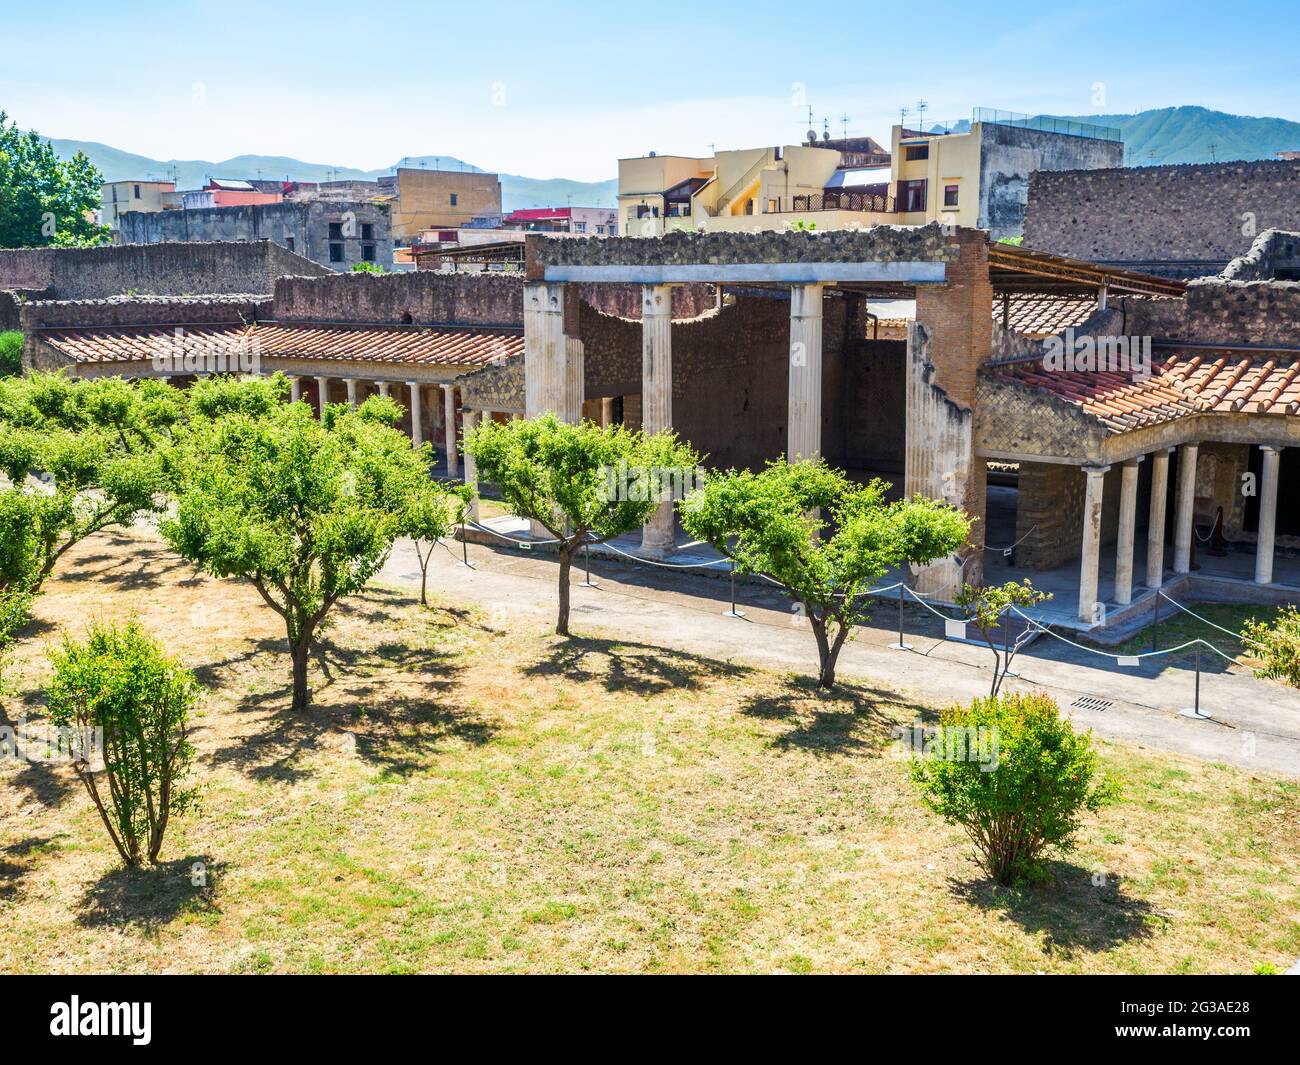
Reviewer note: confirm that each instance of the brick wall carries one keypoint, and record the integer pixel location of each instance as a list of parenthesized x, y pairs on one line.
[(421, 297), (1205, 213)]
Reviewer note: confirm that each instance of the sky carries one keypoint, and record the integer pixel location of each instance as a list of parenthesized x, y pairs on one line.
[(566, 89)]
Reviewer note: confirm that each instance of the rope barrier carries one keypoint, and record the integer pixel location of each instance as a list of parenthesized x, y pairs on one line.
[(511, 539), (1008, 550), (1198, 617)]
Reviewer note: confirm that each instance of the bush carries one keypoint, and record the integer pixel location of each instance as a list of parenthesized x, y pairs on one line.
[(1029, 795), (120, 685), (11, 353), (1276, 646)]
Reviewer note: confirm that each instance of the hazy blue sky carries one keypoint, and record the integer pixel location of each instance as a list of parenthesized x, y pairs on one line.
[(564, 89)]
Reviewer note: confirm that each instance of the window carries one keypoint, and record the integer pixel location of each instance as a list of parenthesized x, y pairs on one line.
[(580, 227), (368, 253), (137, 192), (950, 195), (336, 253), (642, 210), (916, 151), (600, 231), (288, 243), (367, 231), (454, 200), (749, 206), (773, 206), (336, 231), (911, 195)]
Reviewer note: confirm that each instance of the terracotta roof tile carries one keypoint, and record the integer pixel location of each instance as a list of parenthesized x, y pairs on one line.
[(442, 346)]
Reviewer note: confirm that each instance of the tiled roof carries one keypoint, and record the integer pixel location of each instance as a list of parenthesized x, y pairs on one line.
[(1041, 316), (444, 346), (1188, 382)]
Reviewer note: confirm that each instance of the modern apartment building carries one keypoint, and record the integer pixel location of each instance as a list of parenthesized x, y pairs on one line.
[(118, 197)]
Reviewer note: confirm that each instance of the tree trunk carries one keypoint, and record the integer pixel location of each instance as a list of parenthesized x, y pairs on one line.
[(566, 560), (300, 652), (424, 582), (825, 657)]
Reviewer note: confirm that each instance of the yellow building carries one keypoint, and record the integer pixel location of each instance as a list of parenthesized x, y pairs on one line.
[(118, 197), (973, 174), (440, 199)]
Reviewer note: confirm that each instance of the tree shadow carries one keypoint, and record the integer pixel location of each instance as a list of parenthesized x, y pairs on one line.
[(151, 897), (26, 852), (850, 717), (149, 567), (620, 665), (1072, 908), (42, 780)]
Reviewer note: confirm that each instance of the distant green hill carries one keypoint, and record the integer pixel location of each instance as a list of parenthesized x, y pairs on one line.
[(516, 191), (1197, 135)]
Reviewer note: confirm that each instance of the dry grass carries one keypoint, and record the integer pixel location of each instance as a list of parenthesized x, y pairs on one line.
[(468, 798)]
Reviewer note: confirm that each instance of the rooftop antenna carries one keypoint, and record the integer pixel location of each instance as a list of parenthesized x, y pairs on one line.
[(844, 120), (921, 105), (902, 116)]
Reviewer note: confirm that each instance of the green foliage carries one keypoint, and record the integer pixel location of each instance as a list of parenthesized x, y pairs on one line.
[(11, 353), (429, 511), (988, 606), (121, 683), (823, 538), (367, 268), (560, 476), (1016, 241), (307, 512), (1026, 800), (1276, 646), (44, 200)]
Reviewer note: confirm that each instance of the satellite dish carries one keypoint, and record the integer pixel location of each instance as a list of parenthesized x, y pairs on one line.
[(826, 135), (812, 136)]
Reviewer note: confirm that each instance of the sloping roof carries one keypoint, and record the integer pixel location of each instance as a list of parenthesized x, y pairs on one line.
[(1187, 382), (443, 346), (1041, 316)]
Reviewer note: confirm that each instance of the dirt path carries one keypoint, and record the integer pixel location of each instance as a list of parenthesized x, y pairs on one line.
[(1256, 726)]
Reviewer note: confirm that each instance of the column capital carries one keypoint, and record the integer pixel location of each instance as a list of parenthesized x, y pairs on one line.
[(1277, 449), (1095, 471), (1136, 460)]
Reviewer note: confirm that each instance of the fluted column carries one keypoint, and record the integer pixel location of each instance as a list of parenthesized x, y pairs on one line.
[(545, 350), (1090, 557), (657, 397), (383, 388), (1156, 523), (804, 431), (449, 417), (352, 392), (1183, 508), (323, 394), (1267, 515), (470, 420), (1127, 529), (417, 414)]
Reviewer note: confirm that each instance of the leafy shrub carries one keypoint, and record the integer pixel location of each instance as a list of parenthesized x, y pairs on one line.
[(1026, 799), (121, 684), (11, 353), (1276, 646)]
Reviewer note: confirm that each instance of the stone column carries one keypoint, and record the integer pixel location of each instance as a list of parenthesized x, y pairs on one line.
[(295, 389), (1090, 559), (1183, 508), (804, 429), (1267, 515), (606, 413), (323, 393), (383, 388), (470, 420), (1156, 524), (545, 350), (417, 415), (657, 398), (352, 392), (1128, 498), (449, 416)]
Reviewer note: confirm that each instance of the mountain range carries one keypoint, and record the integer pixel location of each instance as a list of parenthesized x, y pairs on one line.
[(1163, 135), (516, 191)]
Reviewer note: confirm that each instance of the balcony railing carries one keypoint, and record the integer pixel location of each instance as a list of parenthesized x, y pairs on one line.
[(878, 203)]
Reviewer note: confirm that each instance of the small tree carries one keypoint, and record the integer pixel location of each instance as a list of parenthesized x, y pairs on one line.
[(987, 606), (307, 512), (1027, 799), (581, 483), (429, 514), (11, 353), (821, 537), (1275, 646), (120, 685)]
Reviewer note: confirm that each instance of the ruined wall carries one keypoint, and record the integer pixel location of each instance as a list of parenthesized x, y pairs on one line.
[(156, 269), (1009, 154), (143, 310), (1274, 256), (303, 227), (1243, 312), (1203, 214), (420, 297), (873, 414)]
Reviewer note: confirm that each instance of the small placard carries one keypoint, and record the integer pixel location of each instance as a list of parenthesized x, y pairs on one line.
[(1128, 660), (954, 630)]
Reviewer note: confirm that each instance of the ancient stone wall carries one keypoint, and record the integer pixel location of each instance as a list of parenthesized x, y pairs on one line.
[(419, 297), (1202, 214)]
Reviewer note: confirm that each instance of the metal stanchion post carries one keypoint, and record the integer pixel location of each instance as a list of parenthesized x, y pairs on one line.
[(1195, 710), (586, 552), (464, 546), (733, 612), (902, 644), (1155, 625)]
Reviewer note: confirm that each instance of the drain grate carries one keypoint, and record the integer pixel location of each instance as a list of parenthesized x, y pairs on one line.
[(1091, 702)]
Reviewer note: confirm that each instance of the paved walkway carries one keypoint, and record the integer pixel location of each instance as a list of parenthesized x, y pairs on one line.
[(1256, 726)]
